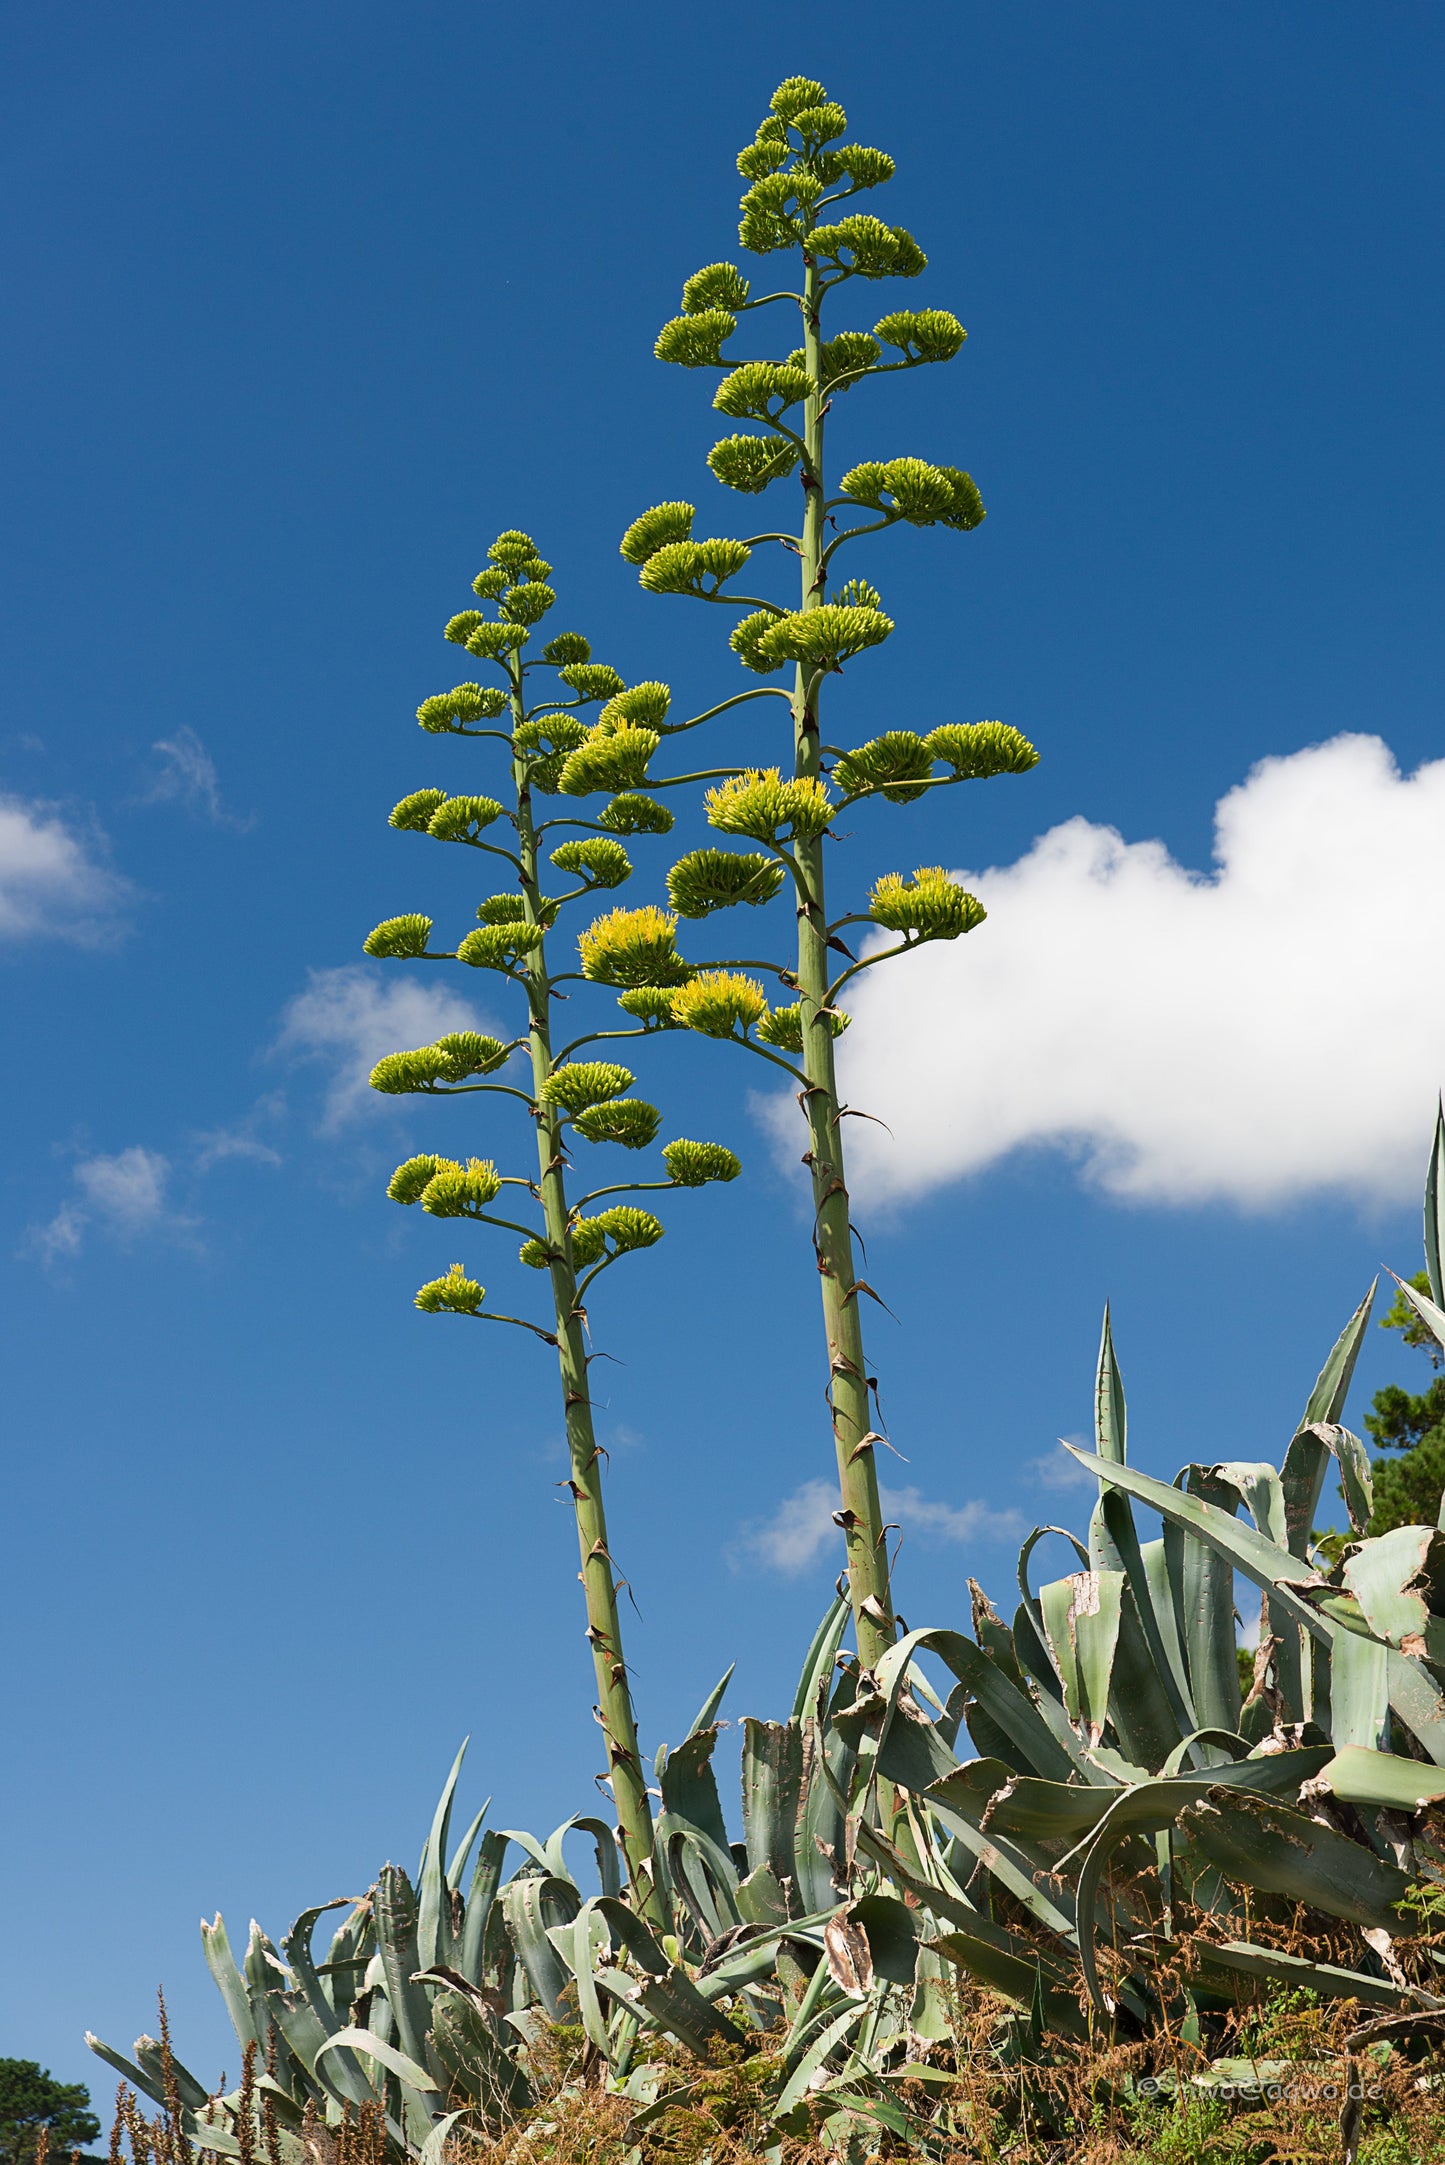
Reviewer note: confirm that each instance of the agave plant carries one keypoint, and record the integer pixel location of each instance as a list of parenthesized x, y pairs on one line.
[(567, 1101), (799, 172)]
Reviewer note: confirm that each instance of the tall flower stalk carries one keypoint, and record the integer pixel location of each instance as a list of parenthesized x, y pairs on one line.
[(567, 1101), (799, 171)]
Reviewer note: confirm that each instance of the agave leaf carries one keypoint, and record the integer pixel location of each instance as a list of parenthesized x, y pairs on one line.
[(463, 1849), (1260, 1842), (1027, 1877), (800, 2081), (1262, 1492), (297, 1946), (1205, 1578), (1151, 1807), (701, 1871), (1015, 1976), (1303, 1472), (1414, 1696), (580, 1944), (706, 1714), (1221, 1961), (222, 1965), (398, 1946), (530, 1905), (1430, 1315), (772, 1777), (1359, 1679), (689, 1786), (760, 1898), (675, 2005), (474, 2059), (821, 1655), (1391, 1577), (396, 2062), (1001, 1700), (829, 1767), (1081, 1617), (306, 2031), (604, 1845), (434, 1935), (1111, 1421), (1383, 1779), (1435, 1211), (128, 2071), (486, 1879), (433, 2150)]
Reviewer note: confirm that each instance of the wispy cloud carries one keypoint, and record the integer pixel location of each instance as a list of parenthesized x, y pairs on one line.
[(53, 878), (1251, 1035), (126, 1194), (801, 1530), (214, 1145), (348, 1017), (187, 776)]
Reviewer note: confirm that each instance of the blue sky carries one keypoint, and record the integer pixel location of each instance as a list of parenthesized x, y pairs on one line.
[(311, 300)]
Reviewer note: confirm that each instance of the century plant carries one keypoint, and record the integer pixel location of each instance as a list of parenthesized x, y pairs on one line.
[(800, 171), (533, 715)]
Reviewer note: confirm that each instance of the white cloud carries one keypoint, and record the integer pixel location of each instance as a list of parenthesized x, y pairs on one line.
[(51, 879), (801, 1530), (188, 776), (126, 1194), (348, 1017), (214, 1145), (1253, 1035)]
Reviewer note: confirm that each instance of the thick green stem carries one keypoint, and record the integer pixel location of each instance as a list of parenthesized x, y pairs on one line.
[(861, 1514), (604, 1623)]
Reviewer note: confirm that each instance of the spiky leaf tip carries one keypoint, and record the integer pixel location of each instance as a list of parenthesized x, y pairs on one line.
[(978, 750), (896, 765), (459, 1191), (413, 812), (456, 1294), (399, 939), (646, 703), (782, 1027), (650, 1005), (931, 904), (719, 1003), (462, 819), (603, 862), (628, 1121), (655, 528), (760, 804), (408, 1183), (696, 341), (750, 464), (450, 712), (613, 760), (580, 1083), (717, 879), (628, 948), (567, 647), (716, 285), (632, 814), (693, 1165)]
